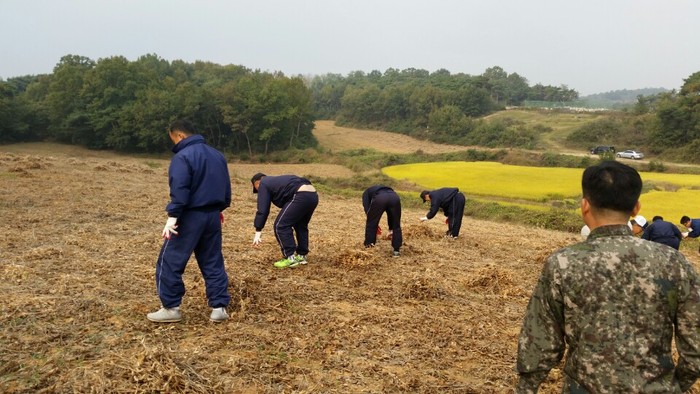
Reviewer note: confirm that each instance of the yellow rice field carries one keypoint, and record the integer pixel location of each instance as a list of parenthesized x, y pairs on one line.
[(501, 181)]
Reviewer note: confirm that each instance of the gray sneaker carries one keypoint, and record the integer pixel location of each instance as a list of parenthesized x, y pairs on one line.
[(396, 253), (218, 315), (301, 259), (165, 315)]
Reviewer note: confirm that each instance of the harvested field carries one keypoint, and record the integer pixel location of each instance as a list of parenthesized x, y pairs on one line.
[(337, 139), (79, 239)]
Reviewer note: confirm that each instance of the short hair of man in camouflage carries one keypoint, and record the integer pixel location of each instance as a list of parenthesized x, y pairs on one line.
[(612, 185)]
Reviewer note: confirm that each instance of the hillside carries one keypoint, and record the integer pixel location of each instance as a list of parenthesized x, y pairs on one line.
[(81, 233)]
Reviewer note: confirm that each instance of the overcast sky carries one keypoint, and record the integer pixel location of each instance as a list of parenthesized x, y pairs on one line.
[(592, 46)]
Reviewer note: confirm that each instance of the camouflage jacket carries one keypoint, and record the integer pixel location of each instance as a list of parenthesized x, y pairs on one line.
[(613, 302)]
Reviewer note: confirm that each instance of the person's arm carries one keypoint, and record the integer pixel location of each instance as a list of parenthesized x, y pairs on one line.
[(647, 232), (180, 181), (366, 201), (687, 335), (696, 229), (677, 232), (434, 207), (541, 344), (264, 201)]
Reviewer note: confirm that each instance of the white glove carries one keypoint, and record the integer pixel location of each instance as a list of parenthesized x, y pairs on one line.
[(257, 240), (169, 228), (424, 219), (685, 235)]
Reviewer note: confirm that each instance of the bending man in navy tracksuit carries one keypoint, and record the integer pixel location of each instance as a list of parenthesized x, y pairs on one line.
[(693, 226), (200, 189), (451, 201), (376, 200), (663, 232), (297, 199)]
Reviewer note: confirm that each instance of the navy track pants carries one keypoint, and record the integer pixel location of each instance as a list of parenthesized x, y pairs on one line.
[(388, 202), (294, 217), (199, 232)]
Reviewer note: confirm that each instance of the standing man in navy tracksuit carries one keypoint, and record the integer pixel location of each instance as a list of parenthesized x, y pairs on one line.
[(200, 189), (451, 201), (376, 200), (297, 199), (663, 232)]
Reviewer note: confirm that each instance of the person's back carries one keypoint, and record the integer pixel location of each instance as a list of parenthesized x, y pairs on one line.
[(614, 303), (663, 232), (622, 295)]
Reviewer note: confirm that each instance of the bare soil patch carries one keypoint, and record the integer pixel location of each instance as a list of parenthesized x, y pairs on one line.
[(79, 238)]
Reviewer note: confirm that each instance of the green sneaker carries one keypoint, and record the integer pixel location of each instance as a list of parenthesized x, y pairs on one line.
[(287, 263), (301, 259)]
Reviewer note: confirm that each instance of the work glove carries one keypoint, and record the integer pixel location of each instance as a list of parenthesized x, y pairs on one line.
[(379, 230), (390, 235), (685, 235), (169, 228), (424, 219), (257, 240), (221, 217)]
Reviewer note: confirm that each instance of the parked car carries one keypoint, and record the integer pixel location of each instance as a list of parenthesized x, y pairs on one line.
[(630, 154), (602, 149)]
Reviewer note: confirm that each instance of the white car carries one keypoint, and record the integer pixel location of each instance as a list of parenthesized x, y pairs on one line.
[(630, 154)]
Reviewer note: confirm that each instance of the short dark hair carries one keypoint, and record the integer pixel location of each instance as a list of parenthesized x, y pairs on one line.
[(423, 194), (184, 125), (685, 219), (612, 185), (655, 218)]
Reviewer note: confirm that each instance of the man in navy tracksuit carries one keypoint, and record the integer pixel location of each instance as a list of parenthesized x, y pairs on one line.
[(376, 200), (200, 189), (663, 232), (451, 201), (693, 226), (297, 199)]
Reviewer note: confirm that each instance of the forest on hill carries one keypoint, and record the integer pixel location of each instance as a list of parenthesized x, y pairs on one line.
[(123, 105)]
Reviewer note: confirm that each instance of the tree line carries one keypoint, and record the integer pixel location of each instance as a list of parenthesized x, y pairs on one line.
[(438, 106), (114, 103)]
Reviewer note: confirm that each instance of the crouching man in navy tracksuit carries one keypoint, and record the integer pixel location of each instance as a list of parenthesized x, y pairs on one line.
[(693, 226), (376, 200), (297, 199), (200, 189), (663, 232), (451, 201)]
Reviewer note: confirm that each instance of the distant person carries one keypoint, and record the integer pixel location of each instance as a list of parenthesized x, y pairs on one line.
[(297, 199), (451, 201), (200, 190), (693, 226), (663, 232), (639, 224), (614, 303), (376, 200)]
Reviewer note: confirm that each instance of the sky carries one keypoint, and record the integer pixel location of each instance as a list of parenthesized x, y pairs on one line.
[(592, 46)]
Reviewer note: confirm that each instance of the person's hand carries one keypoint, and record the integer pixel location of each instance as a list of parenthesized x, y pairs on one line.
[(685, 235), (447, 221), (169, 228), (221, 217), (257, 240), (390, 235), (424, 219), (379, 230)]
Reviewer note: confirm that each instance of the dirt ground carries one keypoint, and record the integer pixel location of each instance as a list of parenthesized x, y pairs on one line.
[(79, 238)]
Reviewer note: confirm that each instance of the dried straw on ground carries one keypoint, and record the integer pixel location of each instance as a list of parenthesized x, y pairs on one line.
[(79, 240)]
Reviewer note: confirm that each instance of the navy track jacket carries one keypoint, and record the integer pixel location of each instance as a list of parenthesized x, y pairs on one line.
[(369, 194), (441, 198), (277, 190), (198, 178)]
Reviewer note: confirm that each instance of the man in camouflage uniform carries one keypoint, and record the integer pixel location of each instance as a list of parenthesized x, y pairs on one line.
[(613, 302)]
